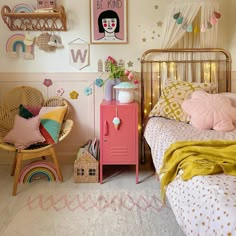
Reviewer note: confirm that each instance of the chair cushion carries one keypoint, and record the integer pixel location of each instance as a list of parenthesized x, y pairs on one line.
[(25, 132), (51, 120)]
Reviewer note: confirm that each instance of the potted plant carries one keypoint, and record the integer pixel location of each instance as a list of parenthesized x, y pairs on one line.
[(116, 73)]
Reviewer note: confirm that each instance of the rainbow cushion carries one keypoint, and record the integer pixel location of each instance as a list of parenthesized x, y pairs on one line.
[(51, 120), (28, 111)]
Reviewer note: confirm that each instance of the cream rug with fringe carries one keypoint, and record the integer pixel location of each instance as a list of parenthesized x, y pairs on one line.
[(116, 207)]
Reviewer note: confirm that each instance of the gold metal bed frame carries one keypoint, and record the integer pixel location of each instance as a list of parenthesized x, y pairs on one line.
[(212, 65)]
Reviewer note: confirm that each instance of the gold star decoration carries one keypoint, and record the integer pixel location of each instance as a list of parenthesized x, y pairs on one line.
[(130, 64), (159, 23), (156, 7), (144, 40)]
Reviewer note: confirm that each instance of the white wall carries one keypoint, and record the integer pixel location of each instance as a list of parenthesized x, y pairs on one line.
[(142, 23), (228, 28)]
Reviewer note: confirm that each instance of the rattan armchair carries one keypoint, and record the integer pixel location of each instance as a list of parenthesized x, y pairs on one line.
[(29, 96)]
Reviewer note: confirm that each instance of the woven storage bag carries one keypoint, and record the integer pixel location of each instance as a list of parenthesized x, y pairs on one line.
[(86, 169)]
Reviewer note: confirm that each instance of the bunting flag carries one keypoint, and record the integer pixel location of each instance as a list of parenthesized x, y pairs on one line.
[(79, 53), (189, 28)]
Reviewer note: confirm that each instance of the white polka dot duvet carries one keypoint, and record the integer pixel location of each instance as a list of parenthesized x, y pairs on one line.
[(203, 205)]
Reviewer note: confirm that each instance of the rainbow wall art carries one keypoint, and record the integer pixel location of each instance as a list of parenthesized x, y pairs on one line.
[(22, 8), (16, 41), (38, 170)]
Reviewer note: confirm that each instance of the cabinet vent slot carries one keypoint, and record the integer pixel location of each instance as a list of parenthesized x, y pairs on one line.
[(118, 151)]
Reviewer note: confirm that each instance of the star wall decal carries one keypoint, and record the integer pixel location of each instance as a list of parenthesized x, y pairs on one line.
[(159, 23), (144, 40), (130, 64), (156, 7)]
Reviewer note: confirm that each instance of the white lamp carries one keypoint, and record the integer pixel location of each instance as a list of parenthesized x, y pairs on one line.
[(126, 92)]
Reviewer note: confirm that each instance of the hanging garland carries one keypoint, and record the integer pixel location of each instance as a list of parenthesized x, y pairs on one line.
[(99, 81), (189, 27)]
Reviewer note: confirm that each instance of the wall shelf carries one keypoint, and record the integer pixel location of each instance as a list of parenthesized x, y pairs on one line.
[(35, 21)]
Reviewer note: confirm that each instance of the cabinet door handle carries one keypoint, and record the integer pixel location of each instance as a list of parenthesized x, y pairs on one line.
[(105, 128)]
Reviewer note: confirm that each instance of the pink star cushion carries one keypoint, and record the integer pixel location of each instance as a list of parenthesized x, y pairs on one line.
[(25, 132), (210, 111)]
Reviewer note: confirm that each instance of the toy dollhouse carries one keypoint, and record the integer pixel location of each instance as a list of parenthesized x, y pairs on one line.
[(46, 4), (86, 168)]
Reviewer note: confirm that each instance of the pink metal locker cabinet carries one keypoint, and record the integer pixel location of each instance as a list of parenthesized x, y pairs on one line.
[(118, 145)]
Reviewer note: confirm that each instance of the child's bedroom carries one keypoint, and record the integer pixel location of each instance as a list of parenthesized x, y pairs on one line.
[(118, 117)]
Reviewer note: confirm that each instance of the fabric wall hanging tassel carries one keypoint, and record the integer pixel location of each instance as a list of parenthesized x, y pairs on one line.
[(213, 20), (203, 29), (196, 29), (180, 20), (217, 15), (209, 25), (190, 28), (185, 26), (176, 15)]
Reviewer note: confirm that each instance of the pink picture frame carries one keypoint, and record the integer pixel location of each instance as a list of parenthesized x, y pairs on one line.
[(108, 21)]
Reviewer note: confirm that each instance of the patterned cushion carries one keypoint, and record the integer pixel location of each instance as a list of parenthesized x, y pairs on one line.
[(28, 111), (51, 121), (172, 97), (25, 132)]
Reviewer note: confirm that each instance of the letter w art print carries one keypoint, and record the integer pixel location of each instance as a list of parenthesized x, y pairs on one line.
[(79, 53)]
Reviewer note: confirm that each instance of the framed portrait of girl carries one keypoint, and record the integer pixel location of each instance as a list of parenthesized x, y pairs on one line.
[(108, 21)]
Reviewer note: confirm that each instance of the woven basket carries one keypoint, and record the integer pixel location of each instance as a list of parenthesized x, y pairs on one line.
[(86, 169)]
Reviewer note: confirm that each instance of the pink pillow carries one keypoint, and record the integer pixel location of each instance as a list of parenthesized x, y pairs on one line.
[(25, 132), (232, 98), (210, 111)]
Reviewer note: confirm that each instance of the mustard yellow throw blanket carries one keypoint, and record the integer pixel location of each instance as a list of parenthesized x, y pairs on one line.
[(198, 158)]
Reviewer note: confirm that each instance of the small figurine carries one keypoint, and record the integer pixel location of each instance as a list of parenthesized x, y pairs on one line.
[(46, 4)]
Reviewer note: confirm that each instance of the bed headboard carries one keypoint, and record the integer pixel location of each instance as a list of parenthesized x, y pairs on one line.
[(211, 65)]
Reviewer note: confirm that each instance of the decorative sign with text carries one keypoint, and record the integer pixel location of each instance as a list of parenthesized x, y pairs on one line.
[(79, 53), (108, 21)]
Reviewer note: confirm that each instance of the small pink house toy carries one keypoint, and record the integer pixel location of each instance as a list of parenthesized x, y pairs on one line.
[(46, 4)]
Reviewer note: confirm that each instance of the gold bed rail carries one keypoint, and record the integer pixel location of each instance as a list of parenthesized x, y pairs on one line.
[(180, 63)]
